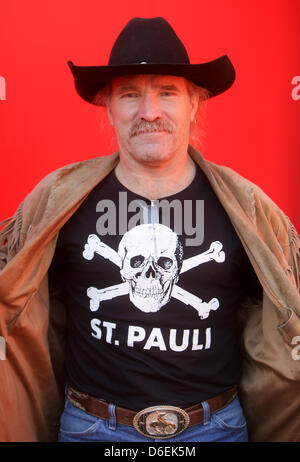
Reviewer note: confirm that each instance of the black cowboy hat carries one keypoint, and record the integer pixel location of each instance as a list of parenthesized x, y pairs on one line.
[(150, 46)]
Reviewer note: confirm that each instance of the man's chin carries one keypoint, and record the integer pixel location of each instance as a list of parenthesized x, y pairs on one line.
[(151, 153), (153, 140)]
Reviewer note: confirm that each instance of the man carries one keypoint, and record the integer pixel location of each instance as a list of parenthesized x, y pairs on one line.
[(152, 253)]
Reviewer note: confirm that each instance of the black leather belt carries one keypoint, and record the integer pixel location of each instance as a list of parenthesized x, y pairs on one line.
[(156, 421)]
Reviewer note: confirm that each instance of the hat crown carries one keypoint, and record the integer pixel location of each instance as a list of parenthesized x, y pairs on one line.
[(149, 41)]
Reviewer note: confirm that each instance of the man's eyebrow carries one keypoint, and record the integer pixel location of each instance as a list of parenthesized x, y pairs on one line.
[(128, 87), (167, 87), (133, 87)]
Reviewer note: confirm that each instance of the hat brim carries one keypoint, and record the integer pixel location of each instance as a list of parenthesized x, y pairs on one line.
[(216, 76)]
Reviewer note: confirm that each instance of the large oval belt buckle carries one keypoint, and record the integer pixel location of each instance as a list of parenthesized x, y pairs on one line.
[(161, 421)]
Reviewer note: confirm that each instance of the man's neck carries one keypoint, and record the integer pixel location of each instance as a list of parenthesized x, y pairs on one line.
[(154, 182)]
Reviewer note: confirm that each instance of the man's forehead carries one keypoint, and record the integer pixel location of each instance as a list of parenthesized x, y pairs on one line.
[(152, 79)]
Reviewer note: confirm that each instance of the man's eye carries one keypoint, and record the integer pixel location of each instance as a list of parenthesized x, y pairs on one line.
[(167, 93), (130, 95)]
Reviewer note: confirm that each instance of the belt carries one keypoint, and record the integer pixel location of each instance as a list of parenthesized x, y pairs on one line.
[(156, 421)]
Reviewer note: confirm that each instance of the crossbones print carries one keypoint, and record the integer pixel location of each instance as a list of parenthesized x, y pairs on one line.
[(150, 258)]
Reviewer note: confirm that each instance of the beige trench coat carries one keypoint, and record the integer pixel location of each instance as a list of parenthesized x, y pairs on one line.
[(32, 321)]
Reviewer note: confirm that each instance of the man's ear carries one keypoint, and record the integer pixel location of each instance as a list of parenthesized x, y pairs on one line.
[(109, 115), (194, 103)]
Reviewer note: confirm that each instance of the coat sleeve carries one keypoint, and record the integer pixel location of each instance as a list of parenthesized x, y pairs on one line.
[(14, 232), (289, 241), (277, 230)]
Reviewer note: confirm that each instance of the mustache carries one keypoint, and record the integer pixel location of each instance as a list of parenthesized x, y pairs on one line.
[(143, 126)]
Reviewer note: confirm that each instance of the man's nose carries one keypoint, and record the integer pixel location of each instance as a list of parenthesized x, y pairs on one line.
[(150, 108)]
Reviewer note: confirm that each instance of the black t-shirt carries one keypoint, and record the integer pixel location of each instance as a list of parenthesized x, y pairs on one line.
[(152, 289)]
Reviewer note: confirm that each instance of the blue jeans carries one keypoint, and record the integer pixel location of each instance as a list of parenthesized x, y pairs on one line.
[(226, 425)]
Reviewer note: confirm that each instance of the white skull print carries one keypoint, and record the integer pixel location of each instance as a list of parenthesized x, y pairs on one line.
[(151, 256), (150, 259)]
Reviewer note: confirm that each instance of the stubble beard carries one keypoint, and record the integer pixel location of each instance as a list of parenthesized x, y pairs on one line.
[(152, 153)]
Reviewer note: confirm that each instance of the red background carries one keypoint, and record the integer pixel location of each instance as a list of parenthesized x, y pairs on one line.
[(252, 128)]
